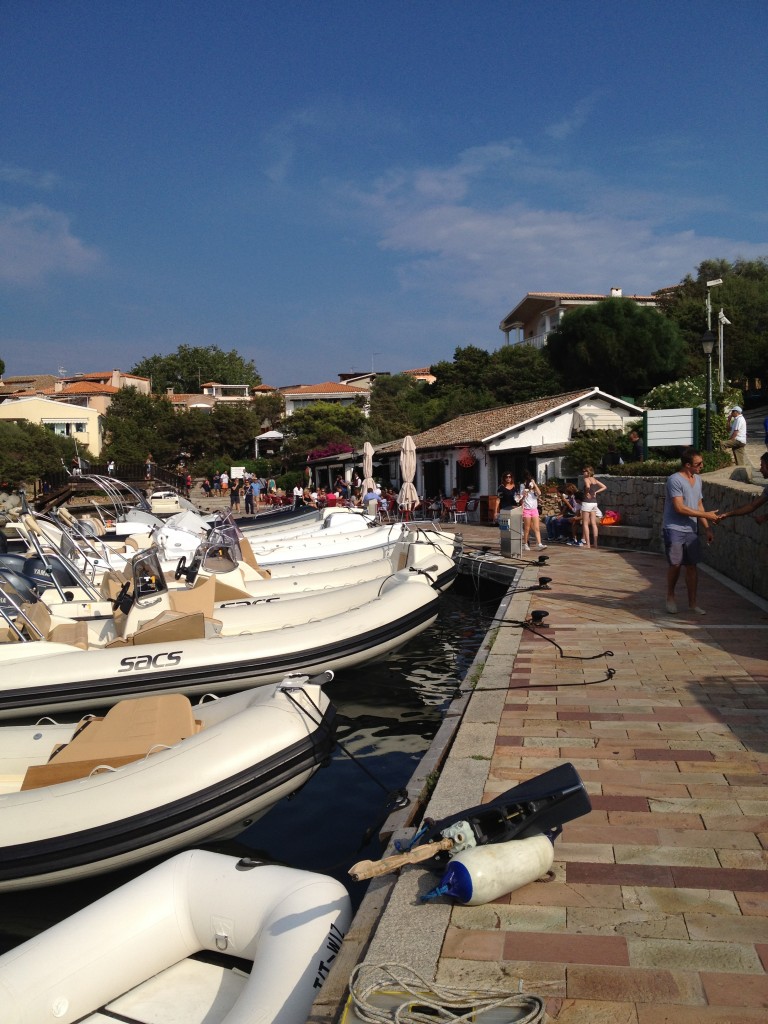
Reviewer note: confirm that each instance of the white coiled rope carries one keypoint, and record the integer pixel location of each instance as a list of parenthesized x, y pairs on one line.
[(428, 1003)]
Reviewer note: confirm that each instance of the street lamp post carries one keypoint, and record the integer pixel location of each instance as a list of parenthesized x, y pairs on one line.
[(711, 284), (722, 321), (707, 344)]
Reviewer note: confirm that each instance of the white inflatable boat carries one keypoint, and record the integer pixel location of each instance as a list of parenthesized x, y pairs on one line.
[(200, 939), (49, 665), (153, 776)]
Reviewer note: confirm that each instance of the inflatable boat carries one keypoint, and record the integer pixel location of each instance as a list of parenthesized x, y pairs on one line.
[(201, 939), (48, 664), (153, 776)]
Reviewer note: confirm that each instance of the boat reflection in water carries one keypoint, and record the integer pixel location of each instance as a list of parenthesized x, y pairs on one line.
[(388, 713)]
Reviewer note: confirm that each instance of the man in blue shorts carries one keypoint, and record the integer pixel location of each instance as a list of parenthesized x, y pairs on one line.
[(683, 507)]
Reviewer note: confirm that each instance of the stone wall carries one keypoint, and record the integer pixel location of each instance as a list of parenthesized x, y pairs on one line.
[(739, 549)]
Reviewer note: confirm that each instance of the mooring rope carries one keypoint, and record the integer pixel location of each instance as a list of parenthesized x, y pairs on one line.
[(427, 1003)]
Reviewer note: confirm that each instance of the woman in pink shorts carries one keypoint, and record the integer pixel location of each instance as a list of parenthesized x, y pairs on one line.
[(531, 521)]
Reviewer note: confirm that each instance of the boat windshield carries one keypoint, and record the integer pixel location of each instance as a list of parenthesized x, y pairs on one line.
[(148, 578)]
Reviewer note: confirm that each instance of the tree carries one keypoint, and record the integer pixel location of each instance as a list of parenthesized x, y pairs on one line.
[(188, 368), (743, 296), (397, 407), (136, 424), (29, 451), (235, 426), (617, 345), (520, 373), (460, 385), (319, 425)]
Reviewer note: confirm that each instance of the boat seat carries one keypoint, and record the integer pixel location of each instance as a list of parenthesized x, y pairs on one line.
[(73, 633), (170, 627), (225, 591), (111, 584), (250, 558), (198, 598), (128, 732)]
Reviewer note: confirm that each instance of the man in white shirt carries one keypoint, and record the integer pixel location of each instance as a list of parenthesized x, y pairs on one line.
[(737, 440)]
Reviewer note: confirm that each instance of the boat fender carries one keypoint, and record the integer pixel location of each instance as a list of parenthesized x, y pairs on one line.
[(483, 873)]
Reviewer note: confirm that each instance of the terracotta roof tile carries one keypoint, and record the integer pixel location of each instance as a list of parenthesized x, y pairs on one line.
[(328, 387), (474, 427), (86, 387)]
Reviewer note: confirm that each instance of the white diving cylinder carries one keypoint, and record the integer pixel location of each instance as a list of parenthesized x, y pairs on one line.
[(483, 873)]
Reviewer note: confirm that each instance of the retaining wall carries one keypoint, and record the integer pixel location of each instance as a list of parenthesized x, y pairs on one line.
[(739, 549)]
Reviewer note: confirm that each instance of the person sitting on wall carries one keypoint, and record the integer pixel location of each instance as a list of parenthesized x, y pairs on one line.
[(756, 503), (737, 439)]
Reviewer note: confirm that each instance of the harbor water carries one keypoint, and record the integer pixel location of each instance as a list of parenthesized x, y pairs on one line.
[(387, 714)]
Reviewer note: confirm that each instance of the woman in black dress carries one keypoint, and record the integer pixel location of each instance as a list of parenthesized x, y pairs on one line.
[(507, 492)]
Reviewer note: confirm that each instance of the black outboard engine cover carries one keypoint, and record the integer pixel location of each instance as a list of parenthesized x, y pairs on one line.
[(37, 574), (23, 589)]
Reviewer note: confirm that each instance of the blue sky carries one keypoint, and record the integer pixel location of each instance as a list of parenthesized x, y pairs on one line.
[(329, 186)]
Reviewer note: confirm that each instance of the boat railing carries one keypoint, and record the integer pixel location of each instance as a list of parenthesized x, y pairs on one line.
[(11, 612)]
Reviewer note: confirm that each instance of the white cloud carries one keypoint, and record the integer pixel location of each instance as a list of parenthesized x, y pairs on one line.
[(572, 122), (501, 221), (36, 241), (43, 181)]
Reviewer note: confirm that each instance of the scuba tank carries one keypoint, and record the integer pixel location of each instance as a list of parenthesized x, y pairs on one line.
[(483, 873)]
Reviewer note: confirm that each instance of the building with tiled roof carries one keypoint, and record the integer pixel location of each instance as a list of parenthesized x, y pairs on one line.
[(302, 396), (421, 373), (474, 451), (82, 423), (182, 401), (29, 384), (538, 313), (114, 378)]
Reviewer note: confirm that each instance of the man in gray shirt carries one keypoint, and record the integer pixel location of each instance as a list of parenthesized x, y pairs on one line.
[(683, 507)]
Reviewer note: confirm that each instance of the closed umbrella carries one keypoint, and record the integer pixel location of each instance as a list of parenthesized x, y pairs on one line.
[(407, 494), (368, 483)]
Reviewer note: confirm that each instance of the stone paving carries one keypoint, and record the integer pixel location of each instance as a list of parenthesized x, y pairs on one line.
[(658, 911)]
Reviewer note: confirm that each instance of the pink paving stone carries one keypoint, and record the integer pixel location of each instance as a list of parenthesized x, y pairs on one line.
[(509, 741), (621, 874), (753, 904), (473, 944), (634, 984), (617, 802), (736, 989), (745, 879), (658, 754), (674, 1014), (582, 831), (552, 947)]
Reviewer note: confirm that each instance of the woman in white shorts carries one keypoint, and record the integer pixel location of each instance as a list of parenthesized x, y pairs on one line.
[(592, 487)]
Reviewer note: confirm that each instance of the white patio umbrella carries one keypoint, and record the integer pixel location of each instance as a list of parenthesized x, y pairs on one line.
[(368, 483), (407, 494)]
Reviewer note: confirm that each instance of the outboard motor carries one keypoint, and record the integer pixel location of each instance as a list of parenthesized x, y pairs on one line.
[(24, 588), (34, 571)]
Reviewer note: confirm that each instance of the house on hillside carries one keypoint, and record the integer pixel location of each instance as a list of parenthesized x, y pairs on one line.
[(538, 313), (473, 452), (82, 423), (29, 384), (227, 393), (304, 396)]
